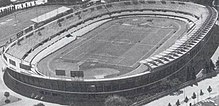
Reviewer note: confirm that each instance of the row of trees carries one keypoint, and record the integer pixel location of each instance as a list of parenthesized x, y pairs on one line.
[(194, 96), (168, 84), (7, 100), (116, 100)]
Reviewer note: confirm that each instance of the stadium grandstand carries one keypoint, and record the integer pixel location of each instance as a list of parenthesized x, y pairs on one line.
[(126, 48)]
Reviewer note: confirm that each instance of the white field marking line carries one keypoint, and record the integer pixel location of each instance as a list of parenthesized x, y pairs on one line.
[(122, 58), (96, 60), (104, 56), (180, 27), (152, 47), (117, 64), (114, 42), (137, 44), (128, 41), (76, 47), (140, 57), (89, 39), (144, 44), (79, 56), (161, 40), (119, 57), (110, 56), (81, 39), (106, 62)]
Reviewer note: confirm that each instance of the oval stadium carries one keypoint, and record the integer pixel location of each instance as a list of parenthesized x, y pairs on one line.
[(126, 48)]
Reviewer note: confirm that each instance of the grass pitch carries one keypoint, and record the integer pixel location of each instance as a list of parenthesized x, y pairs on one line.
[(117, 45), (121, 42)]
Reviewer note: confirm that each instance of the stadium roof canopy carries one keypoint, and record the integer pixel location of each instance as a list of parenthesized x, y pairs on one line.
[(50, 14)]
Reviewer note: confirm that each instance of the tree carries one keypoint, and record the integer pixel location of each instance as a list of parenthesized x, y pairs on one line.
[(177, 103), (186, 99), (201, 92), (116, 100), (193, 95), (169, 104), (39, 104), (209, 89), (7, 94), (190, 104), (35, 3)]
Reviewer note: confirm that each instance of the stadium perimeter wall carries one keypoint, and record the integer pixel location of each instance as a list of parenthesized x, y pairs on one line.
[(63, 92)]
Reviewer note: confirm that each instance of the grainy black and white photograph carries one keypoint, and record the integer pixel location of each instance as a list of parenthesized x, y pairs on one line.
[(109, 53)]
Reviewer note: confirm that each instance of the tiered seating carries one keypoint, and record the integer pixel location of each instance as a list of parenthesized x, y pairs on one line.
[(114, 7), (73, 20), (93, 12), (22, 47), (100, 10), (172, 6), (28, 43), (70, 20), (86, 13), (184, 45), (197, 10)]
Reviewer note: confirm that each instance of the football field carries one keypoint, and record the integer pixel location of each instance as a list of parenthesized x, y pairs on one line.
[(117, 46), (121, 42)]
